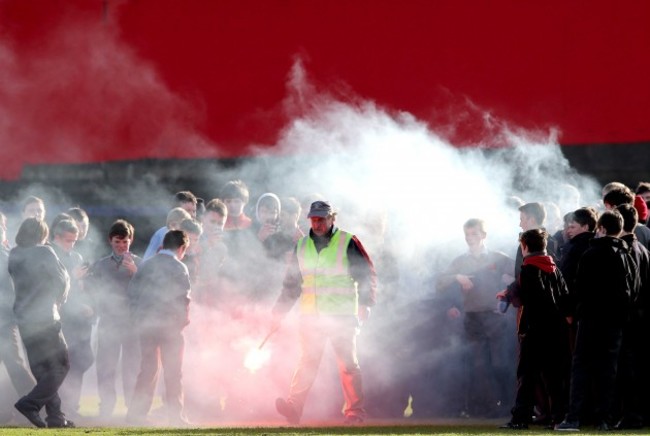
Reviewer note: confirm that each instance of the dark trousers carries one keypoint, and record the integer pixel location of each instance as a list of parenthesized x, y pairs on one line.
[(490, 364), (629, 378), (166, 346), (544, 356), (14, 363), (115, 342), (594, 365), (77, 332), (47, 353)]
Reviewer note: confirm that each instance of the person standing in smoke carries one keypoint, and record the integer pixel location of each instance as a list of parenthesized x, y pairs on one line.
[(477, 275), (185, 200), (159, 298), (41, 284), (77, 314), (605, 284), (108, 281), (10, 355), (544, 352), (334, 278)]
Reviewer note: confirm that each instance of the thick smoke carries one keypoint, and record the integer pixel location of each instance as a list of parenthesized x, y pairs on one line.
[(399, 185)]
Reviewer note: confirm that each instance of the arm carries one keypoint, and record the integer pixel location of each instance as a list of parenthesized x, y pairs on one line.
[(291, 288)]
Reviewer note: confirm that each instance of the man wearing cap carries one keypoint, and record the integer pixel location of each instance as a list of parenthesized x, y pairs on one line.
[(334, 278)]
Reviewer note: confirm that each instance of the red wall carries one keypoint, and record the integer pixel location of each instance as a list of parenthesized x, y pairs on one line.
[(88, 80)]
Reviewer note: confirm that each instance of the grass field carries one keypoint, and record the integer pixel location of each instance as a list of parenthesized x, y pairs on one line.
[(416, 430)]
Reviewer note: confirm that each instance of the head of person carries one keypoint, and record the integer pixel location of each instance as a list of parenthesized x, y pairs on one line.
[(57, 219), (289, 213), (120, 236), (268, 209), (617, 196), (533, 241), (176, 241), (176, 216), (531, 216), (610, 223), (235, 195), (322, 217), (65, 234), (186, 200), (214, 218), (193, 229), (475, 233), (630, 217), (81, 218), (582, 220), (643, 191), (33, 207), (32, 232), (612, 185)]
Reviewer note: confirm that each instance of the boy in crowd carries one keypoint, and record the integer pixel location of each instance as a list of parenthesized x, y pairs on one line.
[(159, 298), (108, 281), (543, 332)]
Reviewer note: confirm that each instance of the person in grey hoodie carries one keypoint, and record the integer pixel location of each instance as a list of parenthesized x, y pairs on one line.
[(41, 285)]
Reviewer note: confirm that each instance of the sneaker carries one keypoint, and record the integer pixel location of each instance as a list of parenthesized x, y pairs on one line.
[(514, 426), (353, 420), (285, 409), (32, 415), (61, 424), (568, 426), (603, 426)]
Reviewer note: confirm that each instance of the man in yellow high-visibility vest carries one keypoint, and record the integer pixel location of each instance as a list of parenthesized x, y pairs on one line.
[(334, 278)]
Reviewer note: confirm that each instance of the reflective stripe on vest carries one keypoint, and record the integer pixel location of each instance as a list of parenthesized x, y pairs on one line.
[(327, 287)]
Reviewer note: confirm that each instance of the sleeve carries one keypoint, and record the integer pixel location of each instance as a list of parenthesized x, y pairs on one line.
[(363, 272)]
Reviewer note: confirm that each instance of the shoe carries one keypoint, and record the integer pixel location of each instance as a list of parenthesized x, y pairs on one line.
[(514, 426), (353, 420), (61, 424), (32, 415), (568, 426), (286, 409)]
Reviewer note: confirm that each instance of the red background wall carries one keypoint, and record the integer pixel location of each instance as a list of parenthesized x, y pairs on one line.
[(89, 80)]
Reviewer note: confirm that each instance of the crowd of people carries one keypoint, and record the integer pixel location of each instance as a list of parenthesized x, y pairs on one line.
[(552, 334)]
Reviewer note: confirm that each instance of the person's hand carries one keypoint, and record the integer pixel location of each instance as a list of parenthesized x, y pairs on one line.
[(80, 272), (502, 295), (453, 313), (465, 281), (267, 230), (129, 264)]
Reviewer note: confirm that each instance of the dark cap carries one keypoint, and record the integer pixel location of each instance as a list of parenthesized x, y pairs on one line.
[(320, 209)]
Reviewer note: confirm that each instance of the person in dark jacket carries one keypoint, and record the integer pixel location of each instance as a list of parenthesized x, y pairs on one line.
[(10, 355), (41, 285), (543, 332), (159, 296), (605, 282), (631, 368)]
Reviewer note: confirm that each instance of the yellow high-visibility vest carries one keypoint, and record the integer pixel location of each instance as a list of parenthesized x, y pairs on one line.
[(327, 287)]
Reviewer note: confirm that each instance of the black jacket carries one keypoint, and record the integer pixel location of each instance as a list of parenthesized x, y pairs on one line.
[(606, 279)]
